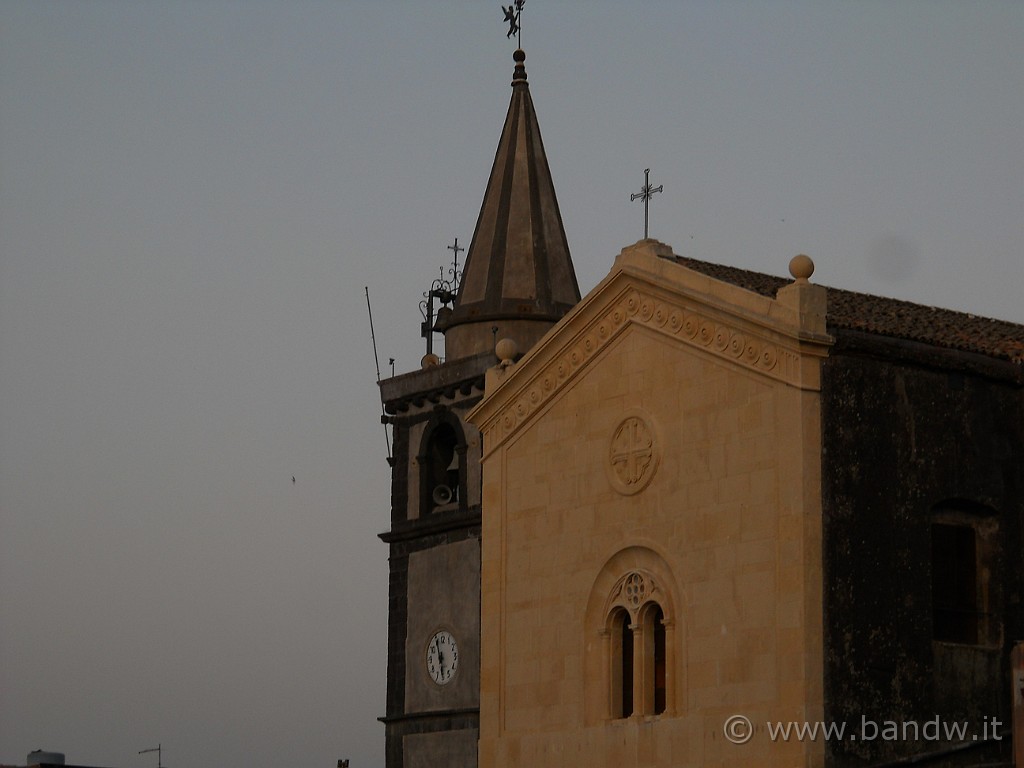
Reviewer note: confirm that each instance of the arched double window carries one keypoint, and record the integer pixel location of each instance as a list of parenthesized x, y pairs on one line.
[(637, 649), (633, 665)]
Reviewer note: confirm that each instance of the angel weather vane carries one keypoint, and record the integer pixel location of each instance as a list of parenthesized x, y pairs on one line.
[(512, 14)]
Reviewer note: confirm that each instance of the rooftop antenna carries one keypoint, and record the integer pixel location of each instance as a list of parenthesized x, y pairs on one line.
[(512, 15), (444, 290), (159, 754), (376, 362)]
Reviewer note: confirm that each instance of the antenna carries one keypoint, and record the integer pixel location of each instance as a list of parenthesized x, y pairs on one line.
[(159, 754), (376, 362)]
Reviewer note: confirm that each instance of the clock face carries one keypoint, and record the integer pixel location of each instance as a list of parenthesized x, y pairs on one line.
[(442, 657)]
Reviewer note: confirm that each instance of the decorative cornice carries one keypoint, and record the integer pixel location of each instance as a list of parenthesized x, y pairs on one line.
[(431, 525), (437, 714), (763, 348), (445, 380)]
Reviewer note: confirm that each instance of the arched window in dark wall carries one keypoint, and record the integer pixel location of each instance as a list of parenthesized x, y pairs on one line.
[(954, 583)]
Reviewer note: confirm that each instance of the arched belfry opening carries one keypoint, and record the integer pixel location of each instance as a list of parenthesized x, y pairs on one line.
[(442, 466)]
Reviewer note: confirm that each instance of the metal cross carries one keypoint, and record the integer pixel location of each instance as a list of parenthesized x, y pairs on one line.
[(645, 195), (455, 249), (512, 16)]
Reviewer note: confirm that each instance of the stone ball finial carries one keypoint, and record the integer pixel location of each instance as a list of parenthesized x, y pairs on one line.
[(801, 267), (506, 350), (520, 69)]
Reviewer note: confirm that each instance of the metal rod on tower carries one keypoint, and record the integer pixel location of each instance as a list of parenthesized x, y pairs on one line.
[(159, 754), (376, 362)]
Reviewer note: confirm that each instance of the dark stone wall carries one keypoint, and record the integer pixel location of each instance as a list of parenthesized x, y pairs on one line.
[(400, 470), (899, 438), (397, 722), (404, 538)]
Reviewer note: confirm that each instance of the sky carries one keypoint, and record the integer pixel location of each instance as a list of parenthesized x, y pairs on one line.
[(196, 198)]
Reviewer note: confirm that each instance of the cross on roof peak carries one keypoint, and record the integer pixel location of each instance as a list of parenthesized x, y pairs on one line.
[(645, 195)]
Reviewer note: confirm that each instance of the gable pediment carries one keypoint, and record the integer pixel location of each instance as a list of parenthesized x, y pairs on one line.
[(766, 337)]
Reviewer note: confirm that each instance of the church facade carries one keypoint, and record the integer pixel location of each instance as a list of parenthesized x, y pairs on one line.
[(655, 525), (714, 505)]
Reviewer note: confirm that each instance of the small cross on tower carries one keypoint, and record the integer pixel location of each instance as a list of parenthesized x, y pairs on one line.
[(645, 195), (455, 248)]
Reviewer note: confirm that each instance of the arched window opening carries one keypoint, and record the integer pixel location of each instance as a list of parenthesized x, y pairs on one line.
[(658, 622), (622, 664), (440, 467), (632, 664), (653, 665)]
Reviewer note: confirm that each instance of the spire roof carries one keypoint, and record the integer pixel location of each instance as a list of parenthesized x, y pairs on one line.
[(518, 267)]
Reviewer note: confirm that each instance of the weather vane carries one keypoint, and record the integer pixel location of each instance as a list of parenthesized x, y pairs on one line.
[(645, 195), (512, 15)]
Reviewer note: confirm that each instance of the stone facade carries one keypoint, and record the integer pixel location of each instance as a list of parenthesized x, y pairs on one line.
[(709, 493), (665, 439)]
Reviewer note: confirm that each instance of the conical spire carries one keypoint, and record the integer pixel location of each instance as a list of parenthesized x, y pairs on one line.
[(518, 274)]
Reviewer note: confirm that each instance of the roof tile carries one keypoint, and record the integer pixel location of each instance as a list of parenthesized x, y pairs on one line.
[(849, 310)]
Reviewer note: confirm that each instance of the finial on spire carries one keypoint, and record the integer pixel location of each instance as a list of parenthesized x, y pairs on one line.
[(645, 195), (512, 15), (520, 72)]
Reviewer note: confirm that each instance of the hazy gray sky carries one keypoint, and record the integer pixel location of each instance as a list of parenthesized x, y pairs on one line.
[(193, 196)]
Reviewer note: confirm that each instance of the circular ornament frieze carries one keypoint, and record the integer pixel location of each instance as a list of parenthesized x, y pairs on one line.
[(633, 454)]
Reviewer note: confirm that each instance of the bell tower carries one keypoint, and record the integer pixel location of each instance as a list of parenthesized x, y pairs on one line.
[(517, 283)]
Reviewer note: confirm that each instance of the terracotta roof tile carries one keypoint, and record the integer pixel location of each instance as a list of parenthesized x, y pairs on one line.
[(849, 310)]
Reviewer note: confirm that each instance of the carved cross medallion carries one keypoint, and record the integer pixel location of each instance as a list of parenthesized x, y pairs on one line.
[(632, 450)]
